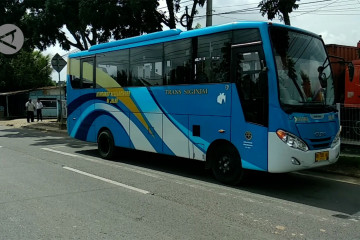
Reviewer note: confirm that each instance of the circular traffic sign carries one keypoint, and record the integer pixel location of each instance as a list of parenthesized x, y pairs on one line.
[(11, 39)]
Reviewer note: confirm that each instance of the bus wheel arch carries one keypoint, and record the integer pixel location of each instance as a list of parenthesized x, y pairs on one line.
[(106, 143), (225, 162)]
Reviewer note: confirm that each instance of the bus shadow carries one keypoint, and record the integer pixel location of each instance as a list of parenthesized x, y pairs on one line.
[(164, 163), (304, 189)]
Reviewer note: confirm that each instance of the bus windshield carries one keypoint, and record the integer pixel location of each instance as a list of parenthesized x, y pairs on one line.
[(304, 75)]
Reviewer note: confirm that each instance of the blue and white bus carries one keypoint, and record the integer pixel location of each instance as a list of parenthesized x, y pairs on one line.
[(245, 95)]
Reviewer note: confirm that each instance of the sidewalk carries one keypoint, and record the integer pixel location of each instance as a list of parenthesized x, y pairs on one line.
[(51, 125), (347, 165)]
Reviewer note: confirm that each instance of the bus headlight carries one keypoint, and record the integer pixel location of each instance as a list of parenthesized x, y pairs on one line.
[(292, 140), (336, 139)]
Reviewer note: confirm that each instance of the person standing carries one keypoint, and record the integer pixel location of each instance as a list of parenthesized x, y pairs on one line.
[(39, 107), (30, 108)]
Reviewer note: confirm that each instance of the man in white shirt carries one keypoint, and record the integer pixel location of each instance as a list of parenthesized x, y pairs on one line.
[(39, 107), (30, 108)]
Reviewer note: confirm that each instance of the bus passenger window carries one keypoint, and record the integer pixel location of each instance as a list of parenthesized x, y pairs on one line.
[(146, 65), (112, 69), (178, 68), (212, 62), (74, 72), (87, 73)]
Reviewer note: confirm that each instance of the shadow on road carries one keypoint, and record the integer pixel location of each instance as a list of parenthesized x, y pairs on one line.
[(43, 138), (321, 193)]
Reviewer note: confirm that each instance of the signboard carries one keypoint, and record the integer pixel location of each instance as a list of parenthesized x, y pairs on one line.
[(11, 39), (58, 63)]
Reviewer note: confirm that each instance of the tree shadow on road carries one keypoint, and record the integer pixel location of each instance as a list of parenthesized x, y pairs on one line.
[(42, 138)]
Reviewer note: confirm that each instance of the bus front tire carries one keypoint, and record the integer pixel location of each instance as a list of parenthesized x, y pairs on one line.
[(106, 144), (226, 165)]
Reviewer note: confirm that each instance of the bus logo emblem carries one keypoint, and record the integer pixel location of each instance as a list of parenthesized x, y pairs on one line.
[(320, 134), (248, 135), (221, 98)]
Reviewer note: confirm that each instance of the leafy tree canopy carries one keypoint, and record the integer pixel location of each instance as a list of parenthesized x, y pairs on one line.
[(24, 70), (174, 7), (89, 22), (279, 8)]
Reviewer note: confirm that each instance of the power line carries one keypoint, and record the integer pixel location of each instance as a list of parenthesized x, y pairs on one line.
[(315, 9)]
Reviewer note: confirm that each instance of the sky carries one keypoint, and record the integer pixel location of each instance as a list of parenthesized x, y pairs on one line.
[(337, 21)]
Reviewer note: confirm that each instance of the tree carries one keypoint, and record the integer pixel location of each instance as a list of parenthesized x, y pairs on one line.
[(88, 22), (24, 70), (174, 7), (193, 12), (11, 11), (280, 8)]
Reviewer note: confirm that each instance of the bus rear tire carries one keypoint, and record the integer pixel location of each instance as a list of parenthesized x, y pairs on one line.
[(226, 165), (106, 146)]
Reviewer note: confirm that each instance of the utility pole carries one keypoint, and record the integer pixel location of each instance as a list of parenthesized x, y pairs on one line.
[(208, 13)]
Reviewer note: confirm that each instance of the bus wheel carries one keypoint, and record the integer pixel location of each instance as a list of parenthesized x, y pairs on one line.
[(226, 165), (106, 144)]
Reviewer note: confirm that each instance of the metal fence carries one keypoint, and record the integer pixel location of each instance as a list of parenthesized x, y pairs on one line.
[(350, 123)]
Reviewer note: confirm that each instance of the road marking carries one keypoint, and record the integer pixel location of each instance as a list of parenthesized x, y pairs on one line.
[(339, 178), (107, 180), (103, 162)]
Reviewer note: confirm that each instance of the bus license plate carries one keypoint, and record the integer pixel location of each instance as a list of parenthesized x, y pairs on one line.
[(321, 156)]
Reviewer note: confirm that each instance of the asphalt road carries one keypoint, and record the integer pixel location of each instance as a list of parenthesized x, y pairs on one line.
[(54, 187)]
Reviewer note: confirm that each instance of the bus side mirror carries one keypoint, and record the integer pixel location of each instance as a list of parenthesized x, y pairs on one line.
[(322, 76), (351, 71)]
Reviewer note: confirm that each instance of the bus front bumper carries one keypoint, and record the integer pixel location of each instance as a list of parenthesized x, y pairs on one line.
[(283, 158)]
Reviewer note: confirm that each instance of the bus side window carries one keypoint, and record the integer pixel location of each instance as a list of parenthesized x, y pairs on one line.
[(252, 85), (178, 67), (146, 65), (74, 72), (112, 69), (87, 73), (212, 61)]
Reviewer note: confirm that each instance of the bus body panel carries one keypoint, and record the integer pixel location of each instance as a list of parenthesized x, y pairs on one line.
[(281, 156), (185, 120), (163, 122), (249, 138)]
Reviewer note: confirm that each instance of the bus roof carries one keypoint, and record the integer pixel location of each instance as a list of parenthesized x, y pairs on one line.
[(172, 35)]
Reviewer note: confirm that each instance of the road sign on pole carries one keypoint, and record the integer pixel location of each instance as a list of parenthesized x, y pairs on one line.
[(58, 63)]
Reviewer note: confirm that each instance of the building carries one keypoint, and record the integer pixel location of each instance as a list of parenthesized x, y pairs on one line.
[(12, 104)]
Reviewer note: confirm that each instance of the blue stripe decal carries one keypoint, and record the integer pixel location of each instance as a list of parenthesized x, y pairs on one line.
[(75, 103)]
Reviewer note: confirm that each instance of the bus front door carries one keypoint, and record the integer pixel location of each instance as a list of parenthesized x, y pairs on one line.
[(250, 114)]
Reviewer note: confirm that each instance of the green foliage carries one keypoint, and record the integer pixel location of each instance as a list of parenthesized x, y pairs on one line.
[(24, 70), (174, 7), (89, 22), (280, 8)]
